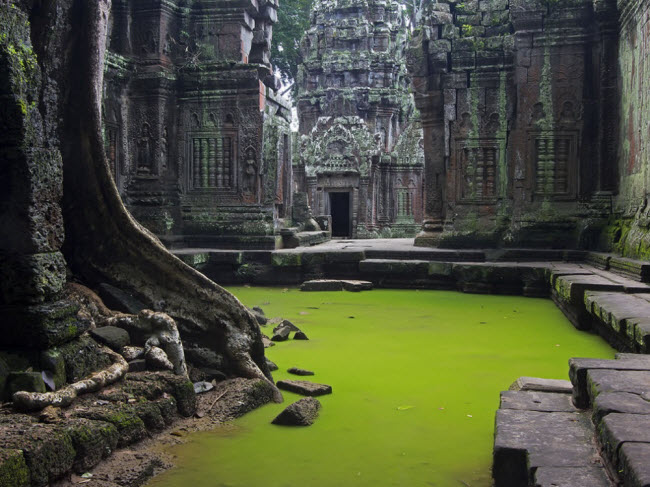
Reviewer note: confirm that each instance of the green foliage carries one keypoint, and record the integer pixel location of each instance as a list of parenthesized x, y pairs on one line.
[(293, 22)]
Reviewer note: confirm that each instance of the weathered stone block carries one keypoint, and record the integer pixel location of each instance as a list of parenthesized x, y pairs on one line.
[(284, 259), (537, 401), (583, 476), (111, 336), (617, 429), (542, 385), (527, 440), (24, 381), (31, 278), (633, 461), (92, 441), (322, 285), (618, 402), (83, 357), (304, 387)]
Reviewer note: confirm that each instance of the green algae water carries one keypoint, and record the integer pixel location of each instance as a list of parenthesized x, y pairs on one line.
[(416, 377)]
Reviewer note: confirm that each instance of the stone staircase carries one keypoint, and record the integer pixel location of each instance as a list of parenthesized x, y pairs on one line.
[(595, 433)]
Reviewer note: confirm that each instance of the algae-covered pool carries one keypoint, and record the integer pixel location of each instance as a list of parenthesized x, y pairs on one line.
[(416, 377)]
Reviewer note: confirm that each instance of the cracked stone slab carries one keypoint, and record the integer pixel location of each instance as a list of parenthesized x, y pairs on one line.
[(537, 401), (585, 476), (620, 428), (525, 440)]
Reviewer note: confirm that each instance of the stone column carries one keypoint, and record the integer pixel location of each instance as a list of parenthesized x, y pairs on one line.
[(435, 171), (427, 63)]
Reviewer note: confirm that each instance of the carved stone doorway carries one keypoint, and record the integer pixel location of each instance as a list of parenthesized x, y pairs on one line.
[(340, 211)]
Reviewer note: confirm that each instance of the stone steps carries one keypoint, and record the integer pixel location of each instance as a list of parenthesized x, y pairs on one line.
[(597, 436), (618, 394)]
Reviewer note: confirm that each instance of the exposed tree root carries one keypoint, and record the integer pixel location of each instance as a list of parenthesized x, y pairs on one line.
[(34, 401), (103, 241)]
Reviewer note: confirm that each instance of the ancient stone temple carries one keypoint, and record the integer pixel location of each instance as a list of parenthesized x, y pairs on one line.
[(197, 140), (361, 155), (519, 105)]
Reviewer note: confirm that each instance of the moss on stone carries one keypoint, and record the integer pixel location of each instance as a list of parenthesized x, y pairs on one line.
[(13, 469)]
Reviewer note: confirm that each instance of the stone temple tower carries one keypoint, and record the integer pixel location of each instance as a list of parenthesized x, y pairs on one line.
[(361, 156)]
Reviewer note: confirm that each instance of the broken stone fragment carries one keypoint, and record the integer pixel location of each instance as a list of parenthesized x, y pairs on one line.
[(267, 342), (132, 353), (300, 336), (113, 337), (202, 386), (286, 324), (542, 385), (301, 413), (281, 334), (298, 371), (157, 359), (304, 387)]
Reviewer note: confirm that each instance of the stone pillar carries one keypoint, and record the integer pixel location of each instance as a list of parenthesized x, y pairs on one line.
[(435, 170), (31, 264), (427, 63), (607, 20)]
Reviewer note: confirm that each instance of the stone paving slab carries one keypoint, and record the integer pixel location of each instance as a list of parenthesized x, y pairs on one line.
[(635, 462), (619, 402), (537, 401), (586, 476), (619, 428), (525, 440)]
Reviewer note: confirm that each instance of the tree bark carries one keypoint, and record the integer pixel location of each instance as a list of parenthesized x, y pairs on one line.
[(103, 241)]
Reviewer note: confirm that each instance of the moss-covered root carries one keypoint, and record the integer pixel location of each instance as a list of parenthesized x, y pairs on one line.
[(34, 401)]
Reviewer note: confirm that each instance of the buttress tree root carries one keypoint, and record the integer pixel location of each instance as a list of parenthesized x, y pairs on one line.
[(103, 241)]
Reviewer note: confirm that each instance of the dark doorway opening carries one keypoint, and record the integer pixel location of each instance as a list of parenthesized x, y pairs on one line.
[(340, 211)]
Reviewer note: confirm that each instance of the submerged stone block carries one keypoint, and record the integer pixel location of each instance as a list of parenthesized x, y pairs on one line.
[(304, 387), (301, 413)]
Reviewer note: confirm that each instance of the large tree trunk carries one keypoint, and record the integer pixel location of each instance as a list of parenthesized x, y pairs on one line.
[(103, 241)]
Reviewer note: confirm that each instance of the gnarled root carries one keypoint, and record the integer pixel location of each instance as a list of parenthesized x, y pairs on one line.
[(160, 330), (34, 401)]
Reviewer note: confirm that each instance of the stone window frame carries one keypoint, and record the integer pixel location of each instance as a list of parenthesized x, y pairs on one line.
[(462, 143), (234, 170), (573, 165)]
